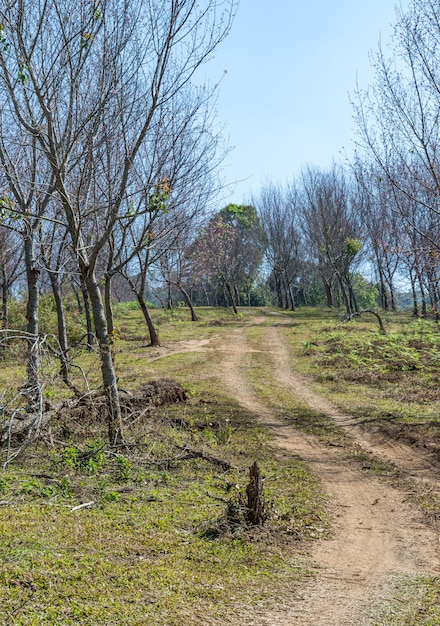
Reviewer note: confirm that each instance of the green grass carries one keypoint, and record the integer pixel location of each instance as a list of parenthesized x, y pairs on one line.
[(164, 541), (374, 376), (157, 545), (415, 602)]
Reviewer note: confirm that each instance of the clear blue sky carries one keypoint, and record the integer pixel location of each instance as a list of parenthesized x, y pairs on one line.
[(291, 66)]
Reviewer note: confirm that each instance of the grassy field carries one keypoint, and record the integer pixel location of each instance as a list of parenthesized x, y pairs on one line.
[(162, 539)]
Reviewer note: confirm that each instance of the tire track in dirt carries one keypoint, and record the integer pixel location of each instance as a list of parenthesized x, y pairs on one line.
[(416, 463), (377, 535)]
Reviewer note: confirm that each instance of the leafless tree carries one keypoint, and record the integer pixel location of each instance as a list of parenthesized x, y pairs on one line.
[(83, 83), (11, 268), (375, 203), (398, 116), (331, 229), (279, 218)]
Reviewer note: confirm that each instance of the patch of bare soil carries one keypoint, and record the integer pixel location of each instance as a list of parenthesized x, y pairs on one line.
[(377, 534), (175, 347)]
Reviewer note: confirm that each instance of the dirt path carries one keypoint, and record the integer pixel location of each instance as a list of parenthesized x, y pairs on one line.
[(377, 534), (416, 463)]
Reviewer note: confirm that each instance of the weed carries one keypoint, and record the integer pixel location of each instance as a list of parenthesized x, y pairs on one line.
[(124, 468)]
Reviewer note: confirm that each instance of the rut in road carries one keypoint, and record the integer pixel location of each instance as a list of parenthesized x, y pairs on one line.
[(417, 464), (377, 535)]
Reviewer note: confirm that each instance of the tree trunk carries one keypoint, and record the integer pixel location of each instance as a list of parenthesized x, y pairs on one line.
[(278, 290), (382, 292), (188, 300), (5, 312), (414, 295), (205, 291), (33, 386), (62, 331), (231, 295), (169, 298), (328, 294), (78, 299), (423, 295), (291, 297), (237, 295), (154, 336), (107, 366), (353, 299), (90, 337), (108, 305)]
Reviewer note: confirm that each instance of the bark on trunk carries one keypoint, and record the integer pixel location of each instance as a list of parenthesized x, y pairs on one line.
[(108, 305), (5, 313), (107, 366), (231, 295), (414, 296), (62, 330), (90, 337), (154, 337), (33, 386), (188, 301), (328, 295)]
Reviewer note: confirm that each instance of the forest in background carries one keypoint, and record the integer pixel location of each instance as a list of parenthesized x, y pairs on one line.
[(110, 162)]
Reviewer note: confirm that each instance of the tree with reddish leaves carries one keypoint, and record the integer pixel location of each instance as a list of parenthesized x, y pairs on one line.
[(212, 256)]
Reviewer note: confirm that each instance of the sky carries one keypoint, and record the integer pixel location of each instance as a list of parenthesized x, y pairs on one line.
[(284, 99)]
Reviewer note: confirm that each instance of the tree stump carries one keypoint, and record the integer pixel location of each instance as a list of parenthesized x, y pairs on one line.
[(256, 510)]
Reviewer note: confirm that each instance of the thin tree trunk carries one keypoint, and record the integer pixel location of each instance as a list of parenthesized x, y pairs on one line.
[(382, 291), (78, 299), (154, 336), (108, 305), (32, 310), (291, 296), (5, 312), (169, 298), (328, 294), (237, 295), (205, 291), (62, 330), (231, 295), (414, 295), (107, 366), (188, 300), (90, 337), (423, 295)]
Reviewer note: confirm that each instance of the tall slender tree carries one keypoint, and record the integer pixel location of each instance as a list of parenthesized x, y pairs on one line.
[(83, 83)]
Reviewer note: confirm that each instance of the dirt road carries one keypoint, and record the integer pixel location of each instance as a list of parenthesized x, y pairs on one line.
[(378, 535)]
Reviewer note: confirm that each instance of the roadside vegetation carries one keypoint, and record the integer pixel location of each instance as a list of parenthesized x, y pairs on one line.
[(155, 529)]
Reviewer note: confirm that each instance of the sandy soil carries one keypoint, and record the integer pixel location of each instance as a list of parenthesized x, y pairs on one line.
[(378, 535)]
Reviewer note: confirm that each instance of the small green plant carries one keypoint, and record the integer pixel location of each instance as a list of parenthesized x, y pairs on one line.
[(31, 487), (91, 460), (111, 496), (65, 488), (71, 456), (124, 468)]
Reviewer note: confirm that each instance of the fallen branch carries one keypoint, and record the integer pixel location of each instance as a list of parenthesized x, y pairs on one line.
[(378, 317), (81, 506), (201, 454)]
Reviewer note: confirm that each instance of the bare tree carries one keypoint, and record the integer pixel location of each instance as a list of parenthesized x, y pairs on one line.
[(11, 268), (375, 204), (279, 218), (398, 116), (331, 229), (84, 82)]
